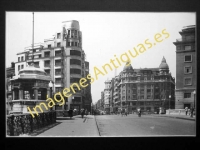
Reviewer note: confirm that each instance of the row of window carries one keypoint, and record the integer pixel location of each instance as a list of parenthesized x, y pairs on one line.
[(186, 47), (22, 58), (73, 44), (145, 78), (22, 67), (187, 95), (68, 44), (58, 45), (59, 71), (142, 103), (59, 53), (72, 33), (140, 97)]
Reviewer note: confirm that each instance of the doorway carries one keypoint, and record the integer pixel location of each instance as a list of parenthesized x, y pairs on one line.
[(187, 105)]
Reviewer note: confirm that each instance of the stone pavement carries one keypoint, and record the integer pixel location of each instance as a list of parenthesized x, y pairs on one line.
[(75, 127)]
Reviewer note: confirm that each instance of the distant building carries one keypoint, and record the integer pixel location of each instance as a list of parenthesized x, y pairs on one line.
[(107, 92), (98, 104), (102, 100), (185, 68), (147, 88), (111, 102)]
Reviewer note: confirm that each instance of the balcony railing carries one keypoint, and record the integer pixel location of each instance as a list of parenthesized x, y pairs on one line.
[(26, 124), (58, 73), (58, 54), (47, 55), (47, 65), (58, 64)]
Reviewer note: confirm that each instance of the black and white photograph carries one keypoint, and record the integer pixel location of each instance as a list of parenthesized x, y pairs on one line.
[(100, 74)]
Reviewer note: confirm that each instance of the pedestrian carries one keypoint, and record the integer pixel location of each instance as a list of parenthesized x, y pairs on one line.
[(139, 112), (86, 113), (126, 112), (192, 111), (122, 112), (70, 113), (189, 111), (186, 110), (82, 112)]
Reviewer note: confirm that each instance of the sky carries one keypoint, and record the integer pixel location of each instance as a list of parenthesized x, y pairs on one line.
[(104, 34)]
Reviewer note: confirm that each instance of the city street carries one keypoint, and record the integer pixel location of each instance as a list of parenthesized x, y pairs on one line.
[(118, 126), (147, 125)]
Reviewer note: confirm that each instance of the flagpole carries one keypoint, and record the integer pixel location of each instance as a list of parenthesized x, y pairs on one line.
[(33, 39)]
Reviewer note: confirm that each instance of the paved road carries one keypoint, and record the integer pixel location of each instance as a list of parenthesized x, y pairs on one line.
[(75, 127), (147, 125), (117, 126)]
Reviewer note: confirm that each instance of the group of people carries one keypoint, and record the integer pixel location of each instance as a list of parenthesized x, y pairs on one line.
[(189, 111), (82, 112), (124, 112)]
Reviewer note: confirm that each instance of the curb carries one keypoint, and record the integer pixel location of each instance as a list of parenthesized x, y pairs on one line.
[(191, 119)]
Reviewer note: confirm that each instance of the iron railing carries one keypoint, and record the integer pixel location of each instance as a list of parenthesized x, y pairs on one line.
[(26, 124)]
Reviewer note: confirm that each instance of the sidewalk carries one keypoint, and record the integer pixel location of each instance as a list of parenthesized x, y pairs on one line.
[(75, 127), (178, 116)]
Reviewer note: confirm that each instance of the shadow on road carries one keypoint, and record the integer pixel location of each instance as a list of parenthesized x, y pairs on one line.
[(36, 132), (65, 118)]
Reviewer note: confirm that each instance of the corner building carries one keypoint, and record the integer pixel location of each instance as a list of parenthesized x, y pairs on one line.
[(186, 68), (147, 88), (63, 58)]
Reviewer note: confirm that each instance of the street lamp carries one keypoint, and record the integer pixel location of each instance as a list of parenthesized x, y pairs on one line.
[(194, 98), (50, 86), (169, 102), (72, 102)]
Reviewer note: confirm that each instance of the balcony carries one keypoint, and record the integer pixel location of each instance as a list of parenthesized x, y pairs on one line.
[(185, 40)]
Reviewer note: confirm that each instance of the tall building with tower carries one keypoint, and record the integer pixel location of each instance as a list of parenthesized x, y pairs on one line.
[(186, 68), (64, 60), (150, 89)]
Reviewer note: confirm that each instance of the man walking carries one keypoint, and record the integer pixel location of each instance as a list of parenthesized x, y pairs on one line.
[(82, 112), (186, 110), (192, 111)]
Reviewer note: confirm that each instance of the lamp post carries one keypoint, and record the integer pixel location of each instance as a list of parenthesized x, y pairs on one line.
[(50, 86), (169, 102), (72, 102), (194, 98)]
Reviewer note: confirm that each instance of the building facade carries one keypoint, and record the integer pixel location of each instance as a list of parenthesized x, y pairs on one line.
[(185, 68), (147, 88), (63, 58), (10, 72), (111, 102), (107, 93), (102, 101)]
